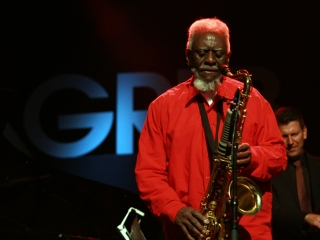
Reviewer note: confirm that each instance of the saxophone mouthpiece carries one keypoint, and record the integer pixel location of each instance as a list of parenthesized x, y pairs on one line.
[(224, 69)]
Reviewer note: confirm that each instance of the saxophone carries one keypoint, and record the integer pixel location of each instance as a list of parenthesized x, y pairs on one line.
[(216, 203)]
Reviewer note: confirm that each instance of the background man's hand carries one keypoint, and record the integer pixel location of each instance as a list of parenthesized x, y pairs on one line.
[(190, 222), (313, 220)]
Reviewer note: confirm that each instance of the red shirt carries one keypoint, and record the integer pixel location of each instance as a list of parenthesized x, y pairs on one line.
[(173, 168)]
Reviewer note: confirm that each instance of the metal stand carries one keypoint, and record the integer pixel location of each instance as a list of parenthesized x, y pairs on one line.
[(234, 200), (136, 233)]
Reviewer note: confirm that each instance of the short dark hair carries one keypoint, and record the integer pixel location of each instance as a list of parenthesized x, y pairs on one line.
[(287, 114)]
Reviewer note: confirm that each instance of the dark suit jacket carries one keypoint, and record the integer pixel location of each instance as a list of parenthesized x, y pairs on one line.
[(287, 219)]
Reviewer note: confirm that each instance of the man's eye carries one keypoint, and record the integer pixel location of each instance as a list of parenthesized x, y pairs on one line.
[(201, 53), (218, 54)]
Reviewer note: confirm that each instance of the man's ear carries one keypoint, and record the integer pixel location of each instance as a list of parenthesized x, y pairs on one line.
[(188, 52), (304, 131)]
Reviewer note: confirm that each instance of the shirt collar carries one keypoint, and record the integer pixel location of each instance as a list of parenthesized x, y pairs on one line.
[(302, 159)]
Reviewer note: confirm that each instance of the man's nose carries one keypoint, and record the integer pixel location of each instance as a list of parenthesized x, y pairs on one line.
[(210, 58), (289, 140)]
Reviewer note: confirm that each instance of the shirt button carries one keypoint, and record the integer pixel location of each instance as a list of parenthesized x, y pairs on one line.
[(207, 177)]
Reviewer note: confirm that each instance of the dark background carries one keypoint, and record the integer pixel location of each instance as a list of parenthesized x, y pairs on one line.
[(98, 39)]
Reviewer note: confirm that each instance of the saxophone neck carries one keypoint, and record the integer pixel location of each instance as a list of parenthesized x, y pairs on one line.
[(247, 83), (241, 74)]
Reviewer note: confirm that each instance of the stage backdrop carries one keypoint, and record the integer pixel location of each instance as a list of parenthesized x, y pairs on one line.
[(77, 78)]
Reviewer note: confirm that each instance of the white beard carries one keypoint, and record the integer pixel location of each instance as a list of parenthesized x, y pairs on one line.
[(203, 85)]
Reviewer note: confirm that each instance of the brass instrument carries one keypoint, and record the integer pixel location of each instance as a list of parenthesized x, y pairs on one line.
[(216, 203)]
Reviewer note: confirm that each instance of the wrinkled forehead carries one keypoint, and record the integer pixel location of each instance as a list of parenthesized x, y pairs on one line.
[(208, 39)]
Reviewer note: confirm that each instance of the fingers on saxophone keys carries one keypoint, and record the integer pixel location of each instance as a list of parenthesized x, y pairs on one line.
[(191, 232), (189, 237), (198, 228)]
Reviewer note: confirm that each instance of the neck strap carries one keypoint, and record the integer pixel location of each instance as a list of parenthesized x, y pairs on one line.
[(211, 143)]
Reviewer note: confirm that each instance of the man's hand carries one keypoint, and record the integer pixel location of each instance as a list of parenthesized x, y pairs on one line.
[(243, 155), (313, 220), (191, 222)]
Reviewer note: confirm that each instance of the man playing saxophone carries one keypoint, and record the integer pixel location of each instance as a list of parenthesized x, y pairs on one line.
[(174, 162)]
